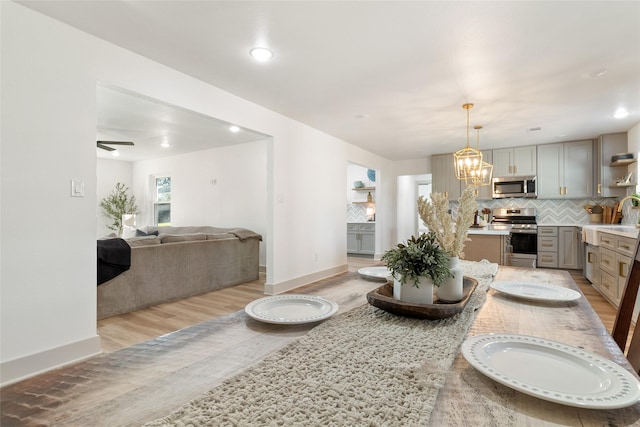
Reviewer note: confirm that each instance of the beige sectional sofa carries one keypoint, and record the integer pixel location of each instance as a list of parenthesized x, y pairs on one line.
[(178, 263)]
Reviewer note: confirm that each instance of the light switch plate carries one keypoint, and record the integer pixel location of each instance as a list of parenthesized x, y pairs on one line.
[(77, 188)]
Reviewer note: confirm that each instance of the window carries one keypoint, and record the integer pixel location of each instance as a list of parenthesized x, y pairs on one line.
[(162, 201)]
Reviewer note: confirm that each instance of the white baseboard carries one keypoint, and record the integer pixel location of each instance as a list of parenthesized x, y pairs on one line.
[(29, 366), (278, 288)]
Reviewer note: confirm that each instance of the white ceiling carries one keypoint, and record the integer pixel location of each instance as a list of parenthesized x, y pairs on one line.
[(392, 76), (124, 116)]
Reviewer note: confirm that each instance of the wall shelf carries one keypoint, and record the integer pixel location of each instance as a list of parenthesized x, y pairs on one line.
[(631, 184), (364, 203), (625, 162), (365, 189)]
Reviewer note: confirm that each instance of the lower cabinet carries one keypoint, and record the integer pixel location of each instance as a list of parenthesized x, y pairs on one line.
[(361, 238), (558, 247), (614, 261), (592, 264), (485, 246)]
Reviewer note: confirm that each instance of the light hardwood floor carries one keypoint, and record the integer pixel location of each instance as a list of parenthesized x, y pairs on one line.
[(148, 380), (128, 329)]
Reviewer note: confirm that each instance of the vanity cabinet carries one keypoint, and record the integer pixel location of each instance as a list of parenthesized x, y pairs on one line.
[(444, 176), (361, 238), (616, 254), (558, 247), (564, 171), (517, 161), (607, 172)]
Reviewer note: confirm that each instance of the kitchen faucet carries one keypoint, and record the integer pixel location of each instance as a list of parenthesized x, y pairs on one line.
[(625, 199)]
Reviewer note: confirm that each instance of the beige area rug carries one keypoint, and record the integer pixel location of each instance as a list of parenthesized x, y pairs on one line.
[(364, 367)]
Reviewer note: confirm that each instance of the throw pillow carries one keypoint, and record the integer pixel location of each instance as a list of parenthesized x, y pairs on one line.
[(142, 233)]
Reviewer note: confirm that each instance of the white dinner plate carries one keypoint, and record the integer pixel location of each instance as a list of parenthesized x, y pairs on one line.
[(375, 273), (552, 371), (291, 309), (536, 291)]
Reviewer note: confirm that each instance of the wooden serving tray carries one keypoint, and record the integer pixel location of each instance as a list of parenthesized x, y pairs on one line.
[(382, 298)]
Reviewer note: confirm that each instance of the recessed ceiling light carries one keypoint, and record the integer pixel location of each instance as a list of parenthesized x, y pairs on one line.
[(621, 113), (115, 153), (165, 144), (261, 54), (362, 116), (234, 129)]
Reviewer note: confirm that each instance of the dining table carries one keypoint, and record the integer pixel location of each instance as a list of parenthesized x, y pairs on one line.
[(472, 398)]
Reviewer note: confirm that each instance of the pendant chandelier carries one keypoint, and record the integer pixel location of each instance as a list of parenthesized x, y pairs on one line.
[(468, 160), (484, 173)]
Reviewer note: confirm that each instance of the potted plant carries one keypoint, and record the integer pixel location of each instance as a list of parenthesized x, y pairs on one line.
[(117, 204), (450, 234), (416, 266)]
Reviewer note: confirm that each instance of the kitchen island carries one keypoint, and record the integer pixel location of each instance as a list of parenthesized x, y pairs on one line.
[(486, 243)]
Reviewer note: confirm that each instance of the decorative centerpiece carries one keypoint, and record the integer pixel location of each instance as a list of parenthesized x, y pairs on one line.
[(416, 267), (450, 235)]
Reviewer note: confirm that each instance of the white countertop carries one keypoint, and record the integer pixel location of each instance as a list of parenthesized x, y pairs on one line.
[(590, 232), (489, 230)]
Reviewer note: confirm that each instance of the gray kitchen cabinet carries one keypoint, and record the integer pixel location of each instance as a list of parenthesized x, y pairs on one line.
[(547, 247), (444, 176), (592, 264), (564, 170), (568, 247), (616, 255), (517, 161), (361, 238), (558, 247), (607, 172)]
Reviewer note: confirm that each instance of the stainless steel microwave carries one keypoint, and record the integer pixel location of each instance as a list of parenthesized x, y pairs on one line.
[(514, 186)]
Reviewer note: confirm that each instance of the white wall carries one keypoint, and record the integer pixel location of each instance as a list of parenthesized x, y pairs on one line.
[(108, 174), (407, 206), (237, 199), (49, 73)]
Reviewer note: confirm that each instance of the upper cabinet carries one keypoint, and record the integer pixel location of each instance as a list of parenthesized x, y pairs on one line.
[(606, 172), (517, 161), (563, 170), (444, 176)]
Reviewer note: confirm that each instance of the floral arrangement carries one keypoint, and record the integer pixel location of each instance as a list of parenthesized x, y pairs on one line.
[(449, 234), (420, 257)]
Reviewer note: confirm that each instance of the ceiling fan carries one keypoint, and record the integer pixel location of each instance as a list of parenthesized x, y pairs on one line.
[(105, 144)]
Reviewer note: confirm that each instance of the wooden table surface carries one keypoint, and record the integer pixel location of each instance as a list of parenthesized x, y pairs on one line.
[(470, 398)]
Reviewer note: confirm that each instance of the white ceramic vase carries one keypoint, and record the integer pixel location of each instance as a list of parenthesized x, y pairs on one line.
[(451, 289), (423, 294)]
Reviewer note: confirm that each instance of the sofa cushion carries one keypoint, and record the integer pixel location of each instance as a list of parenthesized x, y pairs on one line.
[(172, 238), (143, 241), (220, 236)]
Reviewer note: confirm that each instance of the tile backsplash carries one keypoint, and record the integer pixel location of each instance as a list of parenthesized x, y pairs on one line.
[(570, 212), (356, 213)]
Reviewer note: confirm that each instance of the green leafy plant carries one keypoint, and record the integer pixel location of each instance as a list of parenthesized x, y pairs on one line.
[(117, 204), (419, 257)]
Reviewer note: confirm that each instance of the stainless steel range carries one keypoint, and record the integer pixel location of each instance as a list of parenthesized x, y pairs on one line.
[(522, 244)]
